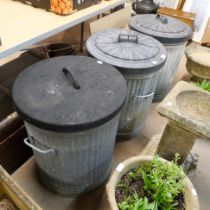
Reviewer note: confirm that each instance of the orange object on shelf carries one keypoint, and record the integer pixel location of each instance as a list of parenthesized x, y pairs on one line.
[(61, 7)]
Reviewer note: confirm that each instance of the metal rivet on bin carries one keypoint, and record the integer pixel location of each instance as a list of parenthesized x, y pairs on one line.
[(99, 62), (163, 56)]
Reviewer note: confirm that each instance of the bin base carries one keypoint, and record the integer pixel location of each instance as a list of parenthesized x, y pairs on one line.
[(67, 189), (130, 135)]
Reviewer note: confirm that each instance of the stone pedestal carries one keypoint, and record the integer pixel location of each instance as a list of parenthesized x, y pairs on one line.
[(187, 108), (175, 139)]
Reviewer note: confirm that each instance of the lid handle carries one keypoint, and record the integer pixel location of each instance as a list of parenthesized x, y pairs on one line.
[(68, 73), (128, 38), (163, 19)]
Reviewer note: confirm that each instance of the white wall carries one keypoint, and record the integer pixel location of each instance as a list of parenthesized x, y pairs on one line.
[(197, 36)]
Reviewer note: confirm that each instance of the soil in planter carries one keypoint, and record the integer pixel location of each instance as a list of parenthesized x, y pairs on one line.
[(129, 185)]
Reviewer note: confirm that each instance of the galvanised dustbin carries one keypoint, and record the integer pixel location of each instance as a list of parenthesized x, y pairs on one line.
[(139, 58), (173, 34), (70, 106)]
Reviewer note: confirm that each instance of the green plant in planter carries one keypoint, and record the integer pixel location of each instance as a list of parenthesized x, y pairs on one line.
[(136, 203), (156, 185), (205, 85)]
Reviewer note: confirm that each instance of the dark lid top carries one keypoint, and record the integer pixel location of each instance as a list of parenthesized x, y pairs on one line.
[(164, 28), (69, 93), (132, 52)]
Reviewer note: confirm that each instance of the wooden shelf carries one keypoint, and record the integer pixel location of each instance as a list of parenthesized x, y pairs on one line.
[(186, 17), (23, 25)]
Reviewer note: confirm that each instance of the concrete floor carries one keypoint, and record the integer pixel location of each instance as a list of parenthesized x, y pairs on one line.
[(155, 124)]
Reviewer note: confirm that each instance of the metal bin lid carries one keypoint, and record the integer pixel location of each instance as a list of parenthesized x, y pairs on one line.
[(164, 28), (69, 93), (130, 51)]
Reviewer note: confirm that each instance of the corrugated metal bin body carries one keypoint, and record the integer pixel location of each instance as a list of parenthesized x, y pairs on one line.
[(82, 160), (139, 58), (137, 104), (168, 72), (71, 107), (173, 34)]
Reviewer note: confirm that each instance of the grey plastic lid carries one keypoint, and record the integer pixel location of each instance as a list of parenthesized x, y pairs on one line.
[(164, 28), (130, 51), (69, 93)]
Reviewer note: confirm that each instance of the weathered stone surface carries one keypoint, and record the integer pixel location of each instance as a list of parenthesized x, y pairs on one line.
[(175, 140), (198, 62), (195, 103), (151, 148), (193, 114)]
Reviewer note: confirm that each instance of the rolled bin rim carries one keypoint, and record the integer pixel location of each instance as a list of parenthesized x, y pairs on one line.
[(131, 71), (67, 128), (147, 65), (190, 193), (164, 40), (113, 94), (163, 36)]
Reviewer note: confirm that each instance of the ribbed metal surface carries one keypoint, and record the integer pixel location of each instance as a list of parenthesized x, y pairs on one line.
[(135, 109), (132, 52), (168, 72), (165, 29), (82, 160)]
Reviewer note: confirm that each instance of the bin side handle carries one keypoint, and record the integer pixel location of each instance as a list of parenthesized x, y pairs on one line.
[(27, 141), (144, 96)]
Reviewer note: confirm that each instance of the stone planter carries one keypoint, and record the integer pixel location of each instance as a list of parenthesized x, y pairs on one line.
[(190, 195), (198, 62)]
